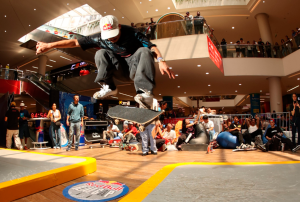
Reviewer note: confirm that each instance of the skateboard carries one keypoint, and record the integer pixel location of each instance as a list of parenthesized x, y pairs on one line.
[(249, 149), (132, 114)]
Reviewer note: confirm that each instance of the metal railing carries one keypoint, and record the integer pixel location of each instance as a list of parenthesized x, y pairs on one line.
[(254, 50), (10, 74)]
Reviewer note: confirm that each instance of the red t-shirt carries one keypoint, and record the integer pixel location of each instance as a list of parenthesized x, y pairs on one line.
[(134, 130)]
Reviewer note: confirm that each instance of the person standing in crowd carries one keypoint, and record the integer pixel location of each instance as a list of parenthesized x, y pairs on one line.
[(189, 23), (16, 73), (289, 44), (55, 117), (276, 50), (238, 49), (261, 48), (235, 130), (147, 134), (7, 72), (111, 131), (153, 28), (12, 118), (1, 69), (254, 49), (132, 25), (148, 31), (249, 49), (295, 36), (268, 49), (75, 121), (283, 48), (294, 108), (243, 47), (199, 23), (23, 125), (224, 48)]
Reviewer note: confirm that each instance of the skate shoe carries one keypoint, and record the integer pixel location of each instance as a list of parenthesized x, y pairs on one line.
[(145, 99), (296, 148), (104, 92)]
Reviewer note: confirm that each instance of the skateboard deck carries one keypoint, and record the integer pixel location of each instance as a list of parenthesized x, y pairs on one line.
[(251, 149), (132, 114)]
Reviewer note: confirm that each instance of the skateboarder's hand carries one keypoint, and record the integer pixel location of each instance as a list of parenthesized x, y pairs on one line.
[(68, 123), (42, 47), (165, 69)]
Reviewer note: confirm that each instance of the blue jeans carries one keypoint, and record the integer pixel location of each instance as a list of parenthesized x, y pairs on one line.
[(55, 128), (74, 127), (145, 135), (211, 134)]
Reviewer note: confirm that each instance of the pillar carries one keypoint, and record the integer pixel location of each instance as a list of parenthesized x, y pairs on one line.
[(41, 70), (264, 27), (42, 64), (275, 94)]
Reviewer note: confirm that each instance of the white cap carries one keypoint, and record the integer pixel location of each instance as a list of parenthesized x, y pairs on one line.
[(22, 104), (109, 26)]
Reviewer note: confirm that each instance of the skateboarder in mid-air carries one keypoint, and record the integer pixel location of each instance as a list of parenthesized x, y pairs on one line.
[(125, 54)]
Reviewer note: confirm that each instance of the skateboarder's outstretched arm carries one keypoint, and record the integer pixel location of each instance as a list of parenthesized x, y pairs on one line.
[(42, 47)]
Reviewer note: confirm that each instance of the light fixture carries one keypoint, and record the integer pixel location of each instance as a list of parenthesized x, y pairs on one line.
[(5, 31), (34, 9), (170, 67), (49, 66), (207, 73), (176, 74), (208, 84), (32, 104), (198, 65), (104, 12), (29, 25), (184, 92), (122, 17), (236, 91), (149, 0), (209, 91), (140, 2), (5, 16), (65, 58), (178, 86), (293, 88), (156, 10), (168, 7), (240, 84), (263, 1), (35, 67), (260, 90), (67, 4), (298, 79), (231, 42), (232, 27), (114, 9), (147, 11), (52, 60), (125, 94)]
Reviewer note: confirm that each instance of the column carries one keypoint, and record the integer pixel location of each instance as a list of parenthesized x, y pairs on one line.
[(264, 27), (275, 94), (42, 64)]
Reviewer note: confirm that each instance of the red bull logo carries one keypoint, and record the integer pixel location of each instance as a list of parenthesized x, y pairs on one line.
[(107, 27)]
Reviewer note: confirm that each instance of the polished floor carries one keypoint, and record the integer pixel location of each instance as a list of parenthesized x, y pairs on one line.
[(133, 169)]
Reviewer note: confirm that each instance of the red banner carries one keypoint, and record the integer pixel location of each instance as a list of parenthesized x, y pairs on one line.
[(10, 86), (215, 55)]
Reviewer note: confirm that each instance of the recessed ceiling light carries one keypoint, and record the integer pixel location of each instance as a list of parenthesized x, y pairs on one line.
[(209, 91), (176, 74), (49, 65), (5, 16), (5, 31), (159, 94), (156, 10), (298, 79), (104, 12), (208, 84), (149, 0), (207, 73), (260, 90), (232, 27), (52, 60), (35, 67), (240, 84), (170, 67), (29, 25), (236, 91), (168, 7), (122, 17), (114, 9), (264, 2), (184, 92), (140, 2), (147, 11), (67, 4), (231, 42), (198, 65), (178, 86), (34, 9)]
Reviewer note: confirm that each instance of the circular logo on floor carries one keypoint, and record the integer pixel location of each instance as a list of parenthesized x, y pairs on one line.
[(95, 191)]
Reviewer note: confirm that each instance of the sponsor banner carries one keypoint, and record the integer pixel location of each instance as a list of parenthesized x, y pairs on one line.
[(99, 191), (255, 103), (215, 55)]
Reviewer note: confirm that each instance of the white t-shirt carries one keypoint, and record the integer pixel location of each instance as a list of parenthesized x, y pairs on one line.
[(252, 129), (170, 135), (208, 125), (114, 127)]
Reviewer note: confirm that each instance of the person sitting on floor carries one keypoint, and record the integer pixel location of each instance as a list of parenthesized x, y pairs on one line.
[(169, 134), (211, 111), (180, 113), (235, 130), (274, 137), (253, 130), (209, 126), (111, 132), (171, 114), (130, 133), (187, 133)]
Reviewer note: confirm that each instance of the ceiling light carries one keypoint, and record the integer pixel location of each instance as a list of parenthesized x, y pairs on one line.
[(263, 1), (293, 88), (209, 91), (198, 65), (49, 65), (149, 0), (122, 17), (156, 10), (168, 7), (147, 11), (231, 42), (114, 9), (5, 31), (170, 67), (236, 91), (5, 16), (178, 86), (176, 74), (32, 104), (260, 90), (52, 60), (104, 12), (35, 67), (232, 27), (67, 4), (126, 94), (29, 25), (184, 92), (207, 73), (298, 79), (240, 84), (159, 94), (208, 84), (34, 9)]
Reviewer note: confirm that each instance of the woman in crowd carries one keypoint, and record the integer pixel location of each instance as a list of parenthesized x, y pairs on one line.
[(283, 48), (268, 49), (188, 132), (55, 117)]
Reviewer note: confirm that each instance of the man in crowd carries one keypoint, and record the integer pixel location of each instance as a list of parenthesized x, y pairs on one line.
[(189, 23), (169, 134), (130, 133), (75, 121), (261, 48), (274, 137), (12, 118), (253, 130), (153, 28), (235, 129), (198, 23), (209, 127), (111, 132), (224, 48), (294, 107), (23, 125), (220, 111), (125, 54)]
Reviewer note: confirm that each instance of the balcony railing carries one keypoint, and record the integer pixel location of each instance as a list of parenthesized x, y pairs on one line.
[(10, 74)]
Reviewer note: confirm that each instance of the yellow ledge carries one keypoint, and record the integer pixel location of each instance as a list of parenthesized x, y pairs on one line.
[(31, 184), (140, 193)]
